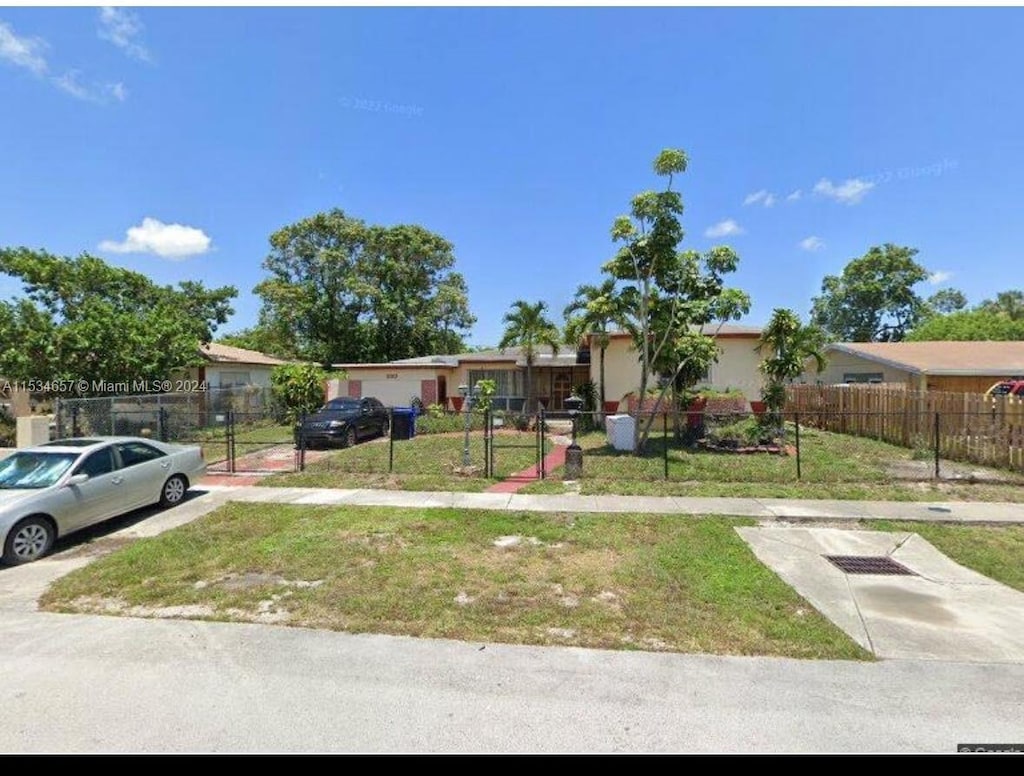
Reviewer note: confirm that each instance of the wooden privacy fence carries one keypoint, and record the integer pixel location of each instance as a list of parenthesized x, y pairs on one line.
[(962, 426)]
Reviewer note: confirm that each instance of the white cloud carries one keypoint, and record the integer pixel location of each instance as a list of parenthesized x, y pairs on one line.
[(812, 243), (123, 28), (169, 241), (23, 52), (794, 196), (724, 228), (763, 197), (69, 83), (939, 276), (849, 192)]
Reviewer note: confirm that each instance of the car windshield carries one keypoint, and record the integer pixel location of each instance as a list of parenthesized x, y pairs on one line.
[(346, 405), (34, 470)]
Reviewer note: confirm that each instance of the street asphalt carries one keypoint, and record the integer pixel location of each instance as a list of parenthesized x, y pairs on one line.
[(77, 683)]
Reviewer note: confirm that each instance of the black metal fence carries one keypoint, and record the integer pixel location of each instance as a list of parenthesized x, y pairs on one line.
[(748, 447)]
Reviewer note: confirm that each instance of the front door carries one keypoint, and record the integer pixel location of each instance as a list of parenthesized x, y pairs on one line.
[(561, 389)]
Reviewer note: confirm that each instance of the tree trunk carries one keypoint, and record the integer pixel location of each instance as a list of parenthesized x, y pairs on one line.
[(529, 384), (602, 381)]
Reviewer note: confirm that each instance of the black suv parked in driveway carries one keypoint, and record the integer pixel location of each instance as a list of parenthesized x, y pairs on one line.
[(343, 421)]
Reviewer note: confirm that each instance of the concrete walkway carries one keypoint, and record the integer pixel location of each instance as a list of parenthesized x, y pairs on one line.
[(791, 510)]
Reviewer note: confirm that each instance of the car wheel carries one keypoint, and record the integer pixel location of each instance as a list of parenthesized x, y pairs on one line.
[(385, 427), (350, 437), (173, 492), (29, 540)]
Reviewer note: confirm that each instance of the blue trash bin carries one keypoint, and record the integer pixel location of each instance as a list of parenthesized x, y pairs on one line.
[(403, 423)]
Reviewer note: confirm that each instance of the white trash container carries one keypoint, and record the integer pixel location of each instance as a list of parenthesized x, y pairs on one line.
[(620, 430)]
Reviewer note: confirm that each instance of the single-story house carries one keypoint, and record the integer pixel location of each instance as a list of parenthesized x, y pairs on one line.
[(230, 367), (964, 367), (435, 379)]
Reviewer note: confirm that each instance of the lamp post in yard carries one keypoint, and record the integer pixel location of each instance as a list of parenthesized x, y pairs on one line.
[(574, 453), (469, 399)]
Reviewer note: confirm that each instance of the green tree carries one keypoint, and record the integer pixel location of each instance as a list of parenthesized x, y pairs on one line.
[(260, 339), (665, 296), (527, 327), (1009, 304), (946, 301), (83, 319), (298, 389), (342, 290), (873, 299), (968, 325), (786, 346), (593, 311)]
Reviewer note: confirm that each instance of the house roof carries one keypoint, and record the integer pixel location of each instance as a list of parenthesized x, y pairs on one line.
[(513, 355), (725, 330), (941, 357), (227, 354)]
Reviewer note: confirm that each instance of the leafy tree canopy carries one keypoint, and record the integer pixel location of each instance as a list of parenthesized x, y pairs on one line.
[(946, 301), (342, 290), (1009, 304), (83, 319), (664, 295), (874, 298), (968, 325)]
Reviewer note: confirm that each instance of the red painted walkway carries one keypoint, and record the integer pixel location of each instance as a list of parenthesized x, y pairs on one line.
[(521, 479)]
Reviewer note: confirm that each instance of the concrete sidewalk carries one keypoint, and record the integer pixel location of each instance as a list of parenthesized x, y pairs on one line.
[(793, 510)]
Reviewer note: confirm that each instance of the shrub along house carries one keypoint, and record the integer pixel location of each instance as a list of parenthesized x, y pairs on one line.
[(436, 379)]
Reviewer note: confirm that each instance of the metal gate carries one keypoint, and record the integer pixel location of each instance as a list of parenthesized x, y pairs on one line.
[(513, 432)]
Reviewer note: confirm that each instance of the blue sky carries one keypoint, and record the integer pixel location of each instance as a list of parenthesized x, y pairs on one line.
[(518, 134)]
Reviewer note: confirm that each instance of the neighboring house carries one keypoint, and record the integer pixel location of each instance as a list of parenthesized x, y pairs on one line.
[(231, 367), (435, 379), (965, 367)]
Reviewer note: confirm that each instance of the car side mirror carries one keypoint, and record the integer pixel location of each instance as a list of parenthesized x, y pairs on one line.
[(77, 479)]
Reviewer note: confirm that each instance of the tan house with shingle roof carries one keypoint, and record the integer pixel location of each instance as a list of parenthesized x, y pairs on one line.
[(231, 367), (437, 378), (967, 367)]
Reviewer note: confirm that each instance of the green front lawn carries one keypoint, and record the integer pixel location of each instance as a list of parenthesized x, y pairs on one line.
[(425, 462), (609, 581), (833, 466)]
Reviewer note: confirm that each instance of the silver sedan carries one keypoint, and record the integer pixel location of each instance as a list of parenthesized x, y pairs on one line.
[(60, 487)]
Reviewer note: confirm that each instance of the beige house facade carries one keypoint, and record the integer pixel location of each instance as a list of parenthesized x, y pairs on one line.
[(436, 379)]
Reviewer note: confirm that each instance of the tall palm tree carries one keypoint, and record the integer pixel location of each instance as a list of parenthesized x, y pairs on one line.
[(527, 327), (593, 311), (787, 345)]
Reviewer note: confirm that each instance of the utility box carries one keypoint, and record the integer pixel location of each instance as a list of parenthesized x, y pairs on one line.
[(621, 430)]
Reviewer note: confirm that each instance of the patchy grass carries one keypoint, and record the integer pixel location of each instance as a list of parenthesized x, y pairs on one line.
[(833, 466), (871, 491), (429, 462), (995, 551), (609, 581), (248, 439)]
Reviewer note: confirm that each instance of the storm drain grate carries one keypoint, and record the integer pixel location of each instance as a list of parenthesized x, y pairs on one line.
[(868, 564)]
